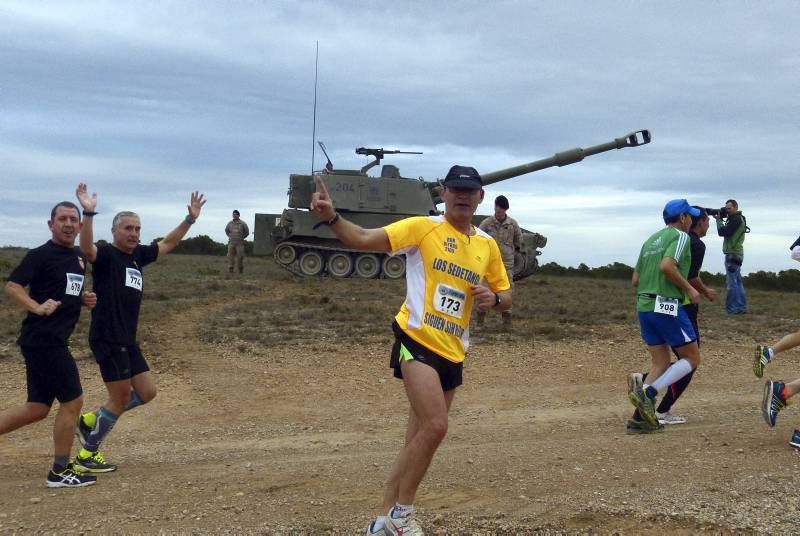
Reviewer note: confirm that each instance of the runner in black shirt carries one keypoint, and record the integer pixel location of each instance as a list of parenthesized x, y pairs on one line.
[(119, 283), (54, 274)]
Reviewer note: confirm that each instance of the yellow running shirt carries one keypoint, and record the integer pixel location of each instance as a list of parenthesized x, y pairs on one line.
[(442, 265)]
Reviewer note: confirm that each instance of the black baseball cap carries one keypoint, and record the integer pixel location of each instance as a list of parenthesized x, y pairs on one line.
[(463, 177)]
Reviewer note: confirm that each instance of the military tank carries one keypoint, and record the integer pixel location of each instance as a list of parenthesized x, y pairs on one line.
[(300, 245)]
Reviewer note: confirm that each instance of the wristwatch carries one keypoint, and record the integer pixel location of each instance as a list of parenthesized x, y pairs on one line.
[(496, 299)]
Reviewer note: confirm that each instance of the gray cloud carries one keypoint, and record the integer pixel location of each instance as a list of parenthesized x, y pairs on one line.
[(148, 101)]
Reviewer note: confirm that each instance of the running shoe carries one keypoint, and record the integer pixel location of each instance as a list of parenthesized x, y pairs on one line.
[(82, 428), (372, 532), (761, 360), (668, 418), (94, 462), (403, 526), (642, 402), (795, 441), (773, 401), (641, 427), (70, 477)]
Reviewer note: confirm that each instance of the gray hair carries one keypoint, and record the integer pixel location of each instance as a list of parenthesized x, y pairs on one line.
[(120, 215)]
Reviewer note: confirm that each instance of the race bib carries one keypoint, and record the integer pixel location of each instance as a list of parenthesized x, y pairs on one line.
[(449, 300), (74, 284), (666, 306), (133, 278)]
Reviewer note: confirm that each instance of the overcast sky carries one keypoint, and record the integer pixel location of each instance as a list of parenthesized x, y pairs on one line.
[(147, 101)]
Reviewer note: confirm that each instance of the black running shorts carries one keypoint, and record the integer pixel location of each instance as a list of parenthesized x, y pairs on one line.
[(52, 374), (118, 362), (449, 372)]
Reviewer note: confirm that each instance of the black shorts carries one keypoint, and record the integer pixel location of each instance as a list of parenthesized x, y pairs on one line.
[(118, 362), (51, 373), (449, 372)]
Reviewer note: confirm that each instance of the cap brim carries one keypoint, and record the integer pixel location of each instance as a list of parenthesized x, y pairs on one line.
[(694, 212), (463, 183)]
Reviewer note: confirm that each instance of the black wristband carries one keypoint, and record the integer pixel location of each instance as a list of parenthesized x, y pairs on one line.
[(496, 299), (89, 213), (189, 220), (333, 220)]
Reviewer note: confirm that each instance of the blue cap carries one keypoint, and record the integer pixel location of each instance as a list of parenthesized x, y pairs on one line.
[(676, 207)]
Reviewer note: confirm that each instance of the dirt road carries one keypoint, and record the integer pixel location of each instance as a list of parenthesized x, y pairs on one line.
[(253, 438)]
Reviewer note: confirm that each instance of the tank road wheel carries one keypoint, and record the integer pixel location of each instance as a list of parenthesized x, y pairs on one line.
[(311, 263), (340, 265), (394, 267), (367, 266), (285, 254)]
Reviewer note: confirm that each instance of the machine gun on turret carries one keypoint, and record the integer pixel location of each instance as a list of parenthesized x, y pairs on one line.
[(378, 154)]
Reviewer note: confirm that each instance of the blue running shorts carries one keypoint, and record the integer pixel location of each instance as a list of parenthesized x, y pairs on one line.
[(658, 328)]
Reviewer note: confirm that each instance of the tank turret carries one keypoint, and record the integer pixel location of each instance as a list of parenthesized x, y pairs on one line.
[(302, 246)]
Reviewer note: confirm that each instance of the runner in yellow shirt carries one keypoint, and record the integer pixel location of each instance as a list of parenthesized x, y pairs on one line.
[(446, 258)]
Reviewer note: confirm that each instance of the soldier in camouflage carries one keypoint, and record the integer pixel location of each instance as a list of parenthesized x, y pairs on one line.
[(237, 231), (506, 232)]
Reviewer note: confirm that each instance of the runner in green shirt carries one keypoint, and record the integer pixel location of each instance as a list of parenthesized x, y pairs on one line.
[(662, 291)]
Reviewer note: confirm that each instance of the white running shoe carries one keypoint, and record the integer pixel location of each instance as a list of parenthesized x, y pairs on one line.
[(669, 418), (403, 526)]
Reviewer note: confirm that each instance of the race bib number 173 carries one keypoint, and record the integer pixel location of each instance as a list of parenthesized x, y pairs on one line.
[(449, 300), (666, 306)]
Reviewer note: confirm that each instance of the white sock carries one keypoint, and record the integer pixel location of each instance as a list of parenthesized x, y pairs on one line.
[(674, 373), (401, 510), (378, 524)]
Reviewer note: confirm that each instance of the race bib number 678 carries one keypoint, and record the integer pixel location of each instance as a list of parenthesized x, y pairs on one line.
[(74, 284), (666, 306)]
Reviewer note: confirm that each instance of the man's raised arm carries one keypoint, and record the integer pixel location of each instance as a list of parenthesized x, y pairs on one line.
[(88, 203), (171, 241), (349, 233)]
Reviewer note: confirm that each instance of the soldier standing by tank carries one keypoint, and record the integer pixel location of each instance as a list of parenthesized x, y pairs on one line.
[(54, 274), (506, 232), (237, 231), (732, 228), (447, 259)]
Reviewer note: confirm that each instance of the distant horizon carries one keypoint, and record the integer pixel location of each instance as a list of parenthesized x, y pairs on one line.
[(721, 274)]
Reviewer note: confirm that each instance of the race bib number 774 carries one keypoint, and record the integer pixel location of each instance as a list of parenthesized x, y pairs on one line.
[(133, 278)]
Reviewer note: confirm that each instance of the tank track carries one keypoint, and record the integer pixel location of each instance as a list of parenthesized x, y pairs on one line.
[(302, 247)]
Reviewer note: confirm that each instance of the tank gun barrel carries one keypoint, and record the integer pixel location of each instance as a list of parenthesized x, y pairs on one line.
[(565, 158)]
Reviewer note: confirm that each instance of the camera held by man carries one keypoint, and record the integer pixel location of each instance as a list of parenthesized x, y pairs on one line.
[(717, 212)]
